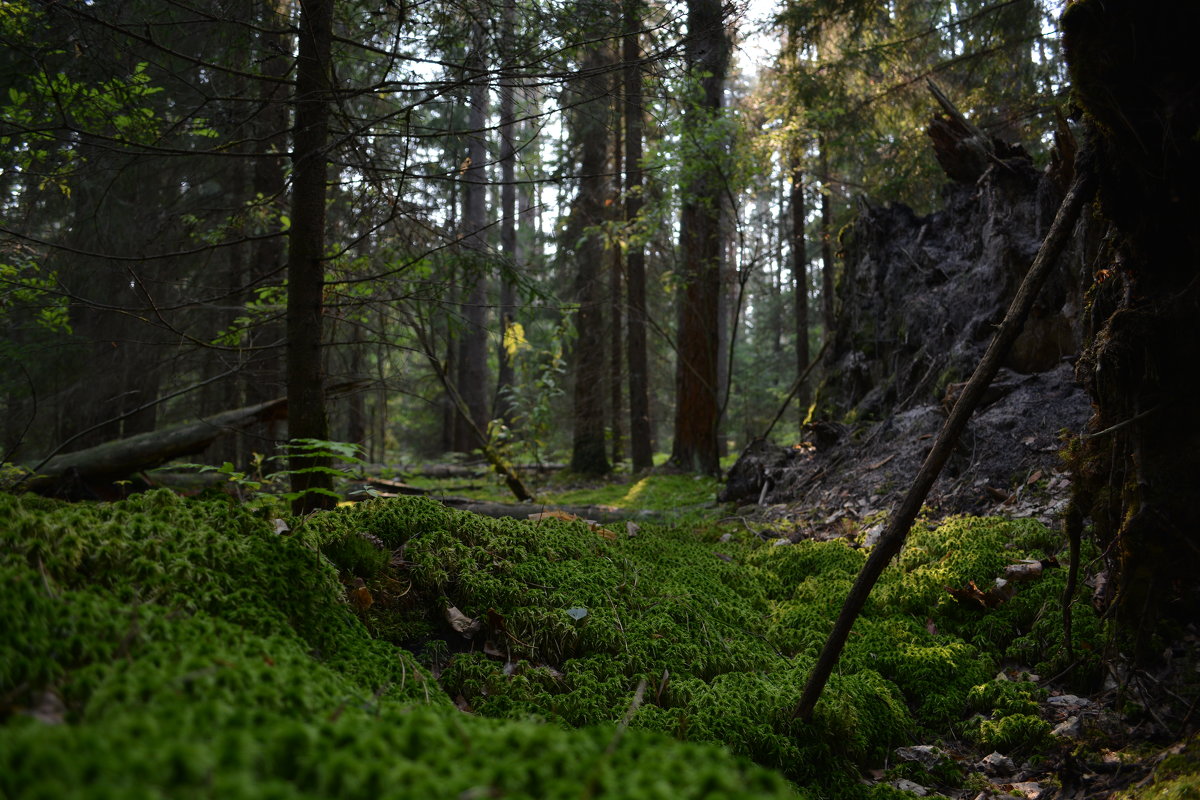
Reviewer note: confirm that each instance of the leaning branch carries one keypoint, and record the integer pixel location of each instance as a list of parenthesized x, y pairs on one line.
[(897, 531)]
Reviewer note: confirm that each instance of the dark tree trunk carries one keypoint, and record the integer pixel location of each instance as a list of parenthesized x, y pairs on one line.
[(615, 339), (827, 267), (640, 436), (696, 391), (1138, 468), (591, 123), (472, 377), (306, 244), (800, 279), (264, 375), (508, 233)]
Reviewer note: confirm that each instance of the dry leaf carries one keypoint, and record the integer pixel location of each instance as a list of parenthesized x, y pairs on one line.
[(631, 529), (280, 526), (360, 595), (461, 623)]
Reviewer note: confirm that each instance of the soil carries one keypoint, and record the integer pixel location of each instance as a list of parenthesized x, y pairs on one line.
[(1007, 462)]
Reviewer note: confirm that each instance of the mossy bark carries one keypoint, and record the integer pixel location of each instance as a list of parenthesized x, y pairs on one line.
[(1138, 467)]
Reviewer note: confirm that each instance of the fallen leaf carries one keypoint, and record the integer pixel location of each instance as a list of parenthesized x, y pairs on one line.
[(280, 526), (461, 703), (577, 613), (360, 595), (929, 626), (461, 623), (723, 557), (1034, 478), (631, 529), (490, 649), (496, 620)]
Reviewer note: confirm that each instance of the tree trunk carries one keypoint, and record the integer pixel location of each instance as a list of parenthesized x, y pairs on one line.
[(591, 122), (503, 407), (696, 405), (827, 314), (306, 245), (640, 435), (800, 278), (472, 377), (615, 338), (1137, 471)]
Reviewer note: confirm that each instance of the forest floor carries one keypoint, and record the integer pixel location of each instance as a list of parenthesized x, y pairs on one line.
[(162, 646)]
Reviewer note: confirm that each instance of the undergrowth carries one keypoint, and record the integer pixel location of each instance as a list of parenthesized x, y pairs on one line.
[(160, 647)]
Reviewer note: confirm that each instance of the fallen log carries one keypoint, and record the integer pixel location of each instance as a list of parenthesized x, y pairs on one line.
[(101, 465), (475, 470), (525, 510)]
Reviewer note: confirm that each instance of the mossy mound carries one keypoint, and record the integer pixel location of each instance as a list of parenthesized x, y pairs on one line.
[(191, 649), (163, 648)]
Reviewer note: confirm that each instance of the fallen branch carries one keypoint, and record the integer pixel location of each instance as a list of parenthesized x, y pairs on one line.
[(899, 522), (114, 460)]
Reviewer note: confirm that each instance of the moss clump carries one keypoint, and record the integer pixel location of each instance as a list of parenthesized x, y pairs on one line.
[(1016, 732), (158, 647), (195, 616)]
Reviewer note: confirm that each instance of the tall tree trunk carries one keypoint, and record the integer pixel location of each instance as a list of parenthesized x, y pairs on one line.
[(591, 121), (827, 314), (508, 229), (696, 391), (616, 339), (1137, 470), (306, 245), (800, 277), (264, 375), (640, 434), (472, 378)]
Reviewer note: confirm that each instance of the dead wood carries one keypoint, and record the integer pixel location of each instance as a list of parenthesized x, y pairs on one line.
[(114, 460), (524, 510)]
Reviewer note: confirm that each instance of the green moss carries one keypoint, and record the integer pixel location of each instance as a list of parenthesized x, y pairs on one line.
[(158, 614), (197, 653), (1017, 732), (1002, 697)]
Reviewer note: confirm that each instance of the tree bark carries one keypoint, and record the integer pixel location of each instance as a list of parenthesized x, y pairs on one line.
[(640, 435), (591, 122), (1137, 470), (306, 251), (827, 266), (472, 377), (697, 408), (503, 407), (615, 337), (800, 277)]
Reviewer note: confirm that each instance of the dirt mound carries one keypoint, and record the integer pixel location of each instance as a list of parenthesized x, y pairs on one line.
[(1006, 462)]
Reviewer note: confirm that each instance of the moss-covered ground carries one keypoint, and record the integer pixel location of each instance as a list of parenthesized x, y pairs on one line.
[(162, 647)]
